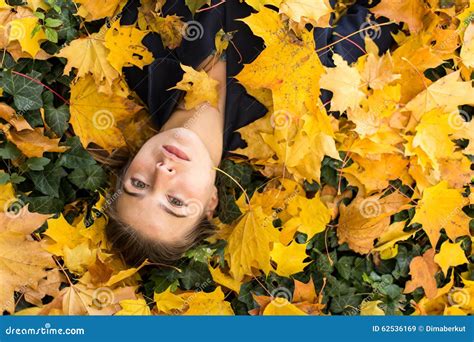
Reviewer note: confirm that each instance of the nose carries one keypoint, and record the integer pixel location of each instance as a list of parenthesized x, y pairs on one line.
[(165, 167)]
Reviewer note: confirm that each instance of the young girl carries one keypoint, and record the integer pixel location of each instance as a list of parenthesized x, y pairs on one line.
[(165, 195)]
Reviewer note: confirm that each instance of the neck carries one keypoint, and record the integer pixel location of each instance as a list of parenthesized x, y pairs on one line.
[(207, 122)]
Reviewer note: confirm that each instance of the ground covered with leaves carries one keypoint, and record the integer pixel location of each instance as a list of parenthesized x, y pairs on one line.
[(364, 212)]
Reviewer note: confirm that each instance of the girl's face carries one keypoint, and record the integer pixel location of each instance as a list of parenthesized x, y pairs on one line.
[(169, 186)]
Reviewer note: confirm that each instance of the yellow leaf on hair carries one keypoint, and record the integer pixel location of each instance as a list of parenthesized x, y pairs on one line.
[(199, 87)]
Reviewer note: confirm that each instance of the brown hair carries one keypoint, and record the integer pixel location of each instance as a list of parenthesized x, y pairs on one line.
[(133, 246)]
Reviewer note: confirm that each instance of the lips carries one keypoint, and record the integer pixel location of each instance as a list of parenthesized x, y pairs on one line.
[(176, 152)]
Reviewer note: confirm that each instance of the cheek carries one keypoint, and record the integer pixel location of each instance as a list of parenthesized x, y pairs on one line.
[(199, 182)]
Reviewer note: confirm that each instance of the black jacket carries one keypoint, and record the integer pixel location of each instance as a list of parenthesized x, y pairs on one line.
[(152, 82)]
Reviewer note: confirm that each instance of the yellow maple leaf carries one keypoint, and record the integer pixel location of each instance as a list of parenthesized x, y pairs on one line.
[(467, 49), (282, 307), (376, 71), (450, 254), (135, 307), (374, 175), (441, 207), (168, 302), (371, 308), (411, 12), (89, 55), (289, 258), (126, 48), (207, 303), (249, 243), (303, 219), (365, 219), (447, 93), (22, 263), (22, 29), (94, 115), (316, 12), (199, 87), (92, 10), (259, 4), (345, 83), (223, 279)]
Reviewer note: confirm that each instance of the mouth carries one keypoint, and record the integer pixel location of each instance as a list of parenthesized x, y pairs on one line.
[(176, 152)]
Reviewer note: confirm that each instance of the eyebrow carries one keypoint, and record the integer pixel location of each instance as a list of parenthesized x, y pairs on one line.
[(165, 208)]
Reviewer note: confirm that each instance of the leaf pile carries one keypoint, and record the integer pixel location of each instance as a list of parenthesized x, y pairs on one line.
[(361, 208)]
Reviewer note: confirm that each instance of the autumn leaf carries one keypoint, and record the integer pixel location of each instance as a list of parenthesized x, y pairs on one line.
[(409, 11), (450, 254), (422, 271), (289, 258), (22, 262), (22, 31), (311, 11), (92, 10), (94, 115), (441, 207), (365, 219), (133, 307), (92, 59), (249, 244), (33, 143), (199, 87), (125, 47)]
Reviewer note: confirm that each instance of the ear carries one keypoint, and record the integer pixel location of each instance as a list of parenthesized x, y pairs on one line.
[(212, 205)]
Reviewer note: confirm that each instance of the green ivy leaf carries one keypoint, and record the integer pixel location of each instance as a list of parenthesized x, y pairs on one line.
[(76, 156), (37, 163), (26, 93), (90, 177), (47, 181), (56, 118)]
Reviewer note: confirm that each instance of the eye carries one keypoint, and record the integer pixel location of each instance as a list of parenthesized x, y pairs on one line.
[(138, 183), (175, 201)]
